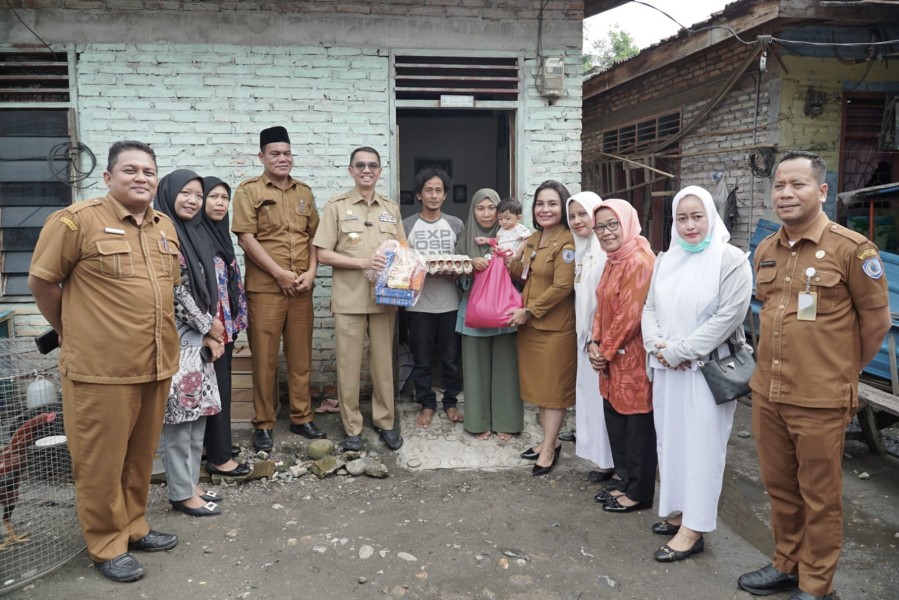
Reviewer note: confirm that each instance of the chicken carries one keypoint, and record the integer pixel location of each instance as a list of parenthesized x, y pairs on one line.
[(12, 462)]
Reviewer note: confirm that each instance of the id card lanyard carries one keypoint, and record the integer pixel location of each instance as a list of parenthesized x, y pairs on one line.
[(807, 306), (527, 266)]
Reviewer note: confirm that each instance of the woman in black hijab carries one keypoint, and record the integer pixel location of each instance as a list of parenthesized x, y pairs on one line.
[(194, 394), (231, 311)]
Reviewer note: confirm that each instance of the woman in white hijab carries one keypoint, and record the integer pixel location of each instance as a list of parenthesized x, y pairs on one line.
[(697, 301), (592, 437)]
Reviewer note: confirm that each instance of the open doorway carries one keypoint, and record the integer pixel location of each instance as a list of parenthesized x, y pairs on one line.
[(475, 147)]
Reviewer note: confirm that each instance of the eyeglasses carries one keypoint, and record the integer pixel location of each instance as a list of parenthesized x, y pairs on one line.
[(360, 166), (611, 226)]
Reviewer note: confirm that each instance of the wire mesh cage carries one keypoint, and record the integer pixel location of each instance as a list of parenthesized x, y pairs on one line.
[(37, 495)]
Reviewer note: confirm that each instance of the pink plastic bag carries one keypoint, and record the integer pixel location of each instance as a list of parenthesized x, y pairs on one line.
[(492, 296)]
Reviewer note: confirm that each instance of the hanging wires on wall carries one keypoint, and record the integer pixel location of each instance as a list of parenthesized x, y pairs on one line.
[(769, 38), (71, 163)]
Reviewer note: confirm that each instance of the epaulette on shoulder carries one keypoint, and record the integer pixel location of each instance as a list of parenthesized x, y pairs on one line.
[(79, 206), (855, 236), (338, 197), (165, 217), (248, 181)]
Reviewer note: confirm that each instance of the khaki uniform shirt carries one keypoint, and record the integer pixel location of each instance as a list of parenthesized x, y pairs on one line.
[(354, 228), (118, 277), (815, 363), (283, 222), (548, 292)]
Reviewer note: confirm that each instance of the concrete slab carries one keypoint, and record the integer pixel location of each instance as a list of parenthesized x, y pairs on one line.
[(446, 445)]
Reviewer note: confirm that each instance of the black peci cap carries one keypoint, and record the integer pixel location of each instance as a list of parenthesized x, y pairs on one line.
[(273, 135)]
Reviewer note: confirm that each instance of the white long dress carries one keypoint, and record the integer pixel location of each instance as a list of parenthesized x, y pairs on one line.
[(691, 430), (592, 436)]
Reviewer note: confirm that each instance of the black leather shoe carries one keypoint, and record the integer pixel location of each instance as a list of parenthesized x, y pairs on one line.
[(767, 581), (123, 568), (263, 440), (210, 509), (598, 475), (614, 506), (537, 471), (352, 442), (235, 451), (241, 470), (211, 496), (667, 554), (308, 431), (665, 528), (154, 541), (530, 454), (800, 595), (391, 438), (567, 436)]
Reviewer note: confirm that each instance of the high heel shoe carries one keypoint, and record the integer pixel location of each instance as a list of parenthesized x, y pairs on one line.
[(538, 470), (530, 454)]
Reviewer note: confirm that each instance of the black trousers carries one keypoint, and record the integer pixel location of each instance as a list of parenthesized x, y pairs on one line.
[(633, 442), (427, 332), (217, 439)]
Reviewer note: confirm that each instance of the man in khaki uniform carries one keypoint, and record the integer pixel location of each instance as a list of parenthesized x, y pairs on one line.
[(353, 226), (117, 261), (274, 219), (825, 311)]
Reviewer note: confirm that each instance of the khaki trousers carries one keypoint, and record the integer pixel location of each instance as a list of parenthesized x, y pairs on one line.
[(800, 450), (112, 433), (271, 317), (350, 333)]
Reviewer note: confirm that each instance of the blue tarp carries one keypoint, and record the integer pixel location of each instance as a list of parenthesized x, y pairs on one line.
[(880, 366)]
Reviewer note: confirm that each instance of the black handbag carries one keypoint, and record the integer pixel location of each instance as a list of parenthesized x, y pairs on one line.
[(728, 377)]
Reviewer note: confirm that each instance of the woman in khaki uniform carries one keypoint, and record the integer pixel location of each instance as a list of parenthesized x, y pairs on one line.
[(546, 321)]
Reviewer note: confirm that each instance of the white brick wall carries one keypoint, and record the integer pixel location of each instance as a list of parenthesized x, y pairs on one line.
[(202, 106)]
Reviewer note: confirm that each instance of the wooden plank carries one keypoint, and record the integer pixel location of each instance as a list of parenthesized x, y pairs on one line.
[(878, 399), (456, 66), (458, 78), (242, 381), (744, 17), (594, 7), (15, 262), (25, 216), (870, 432), (845, 12)]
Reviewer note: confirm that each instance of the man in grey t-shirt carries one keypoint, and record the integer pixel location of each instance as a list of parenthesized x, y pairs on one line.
[(432, 321)]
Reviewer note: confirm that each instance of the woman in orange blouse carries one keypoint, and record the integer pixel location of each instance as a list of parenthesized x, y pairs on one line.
[(616, 352), (546, 321)]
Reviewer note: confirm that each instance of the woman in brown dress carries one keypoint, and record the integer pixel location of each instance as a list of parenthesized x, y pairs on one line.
[(546, 321)]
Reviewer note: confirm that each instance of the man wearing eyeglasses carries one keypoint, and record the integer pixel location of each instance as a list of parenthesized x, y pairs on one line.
[(353, 225), (274, 219)]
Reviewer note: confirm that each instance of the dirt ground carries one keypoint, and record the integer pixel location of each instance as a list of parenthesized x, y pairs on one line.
[(473, 534)]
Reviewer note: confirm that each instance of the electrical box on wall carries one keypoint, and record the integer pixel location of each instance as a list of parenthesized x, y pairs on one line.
[(552, 78)]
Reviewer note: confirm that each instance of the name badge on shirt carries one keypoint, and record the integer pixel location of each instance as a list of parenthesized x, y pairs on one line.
[(114, 230), (386, 218), (527, 265), (807, 309)]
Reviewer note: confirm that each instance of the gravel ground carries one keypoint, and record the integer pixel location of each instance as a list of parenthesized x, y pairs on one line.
[(451, 534)]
